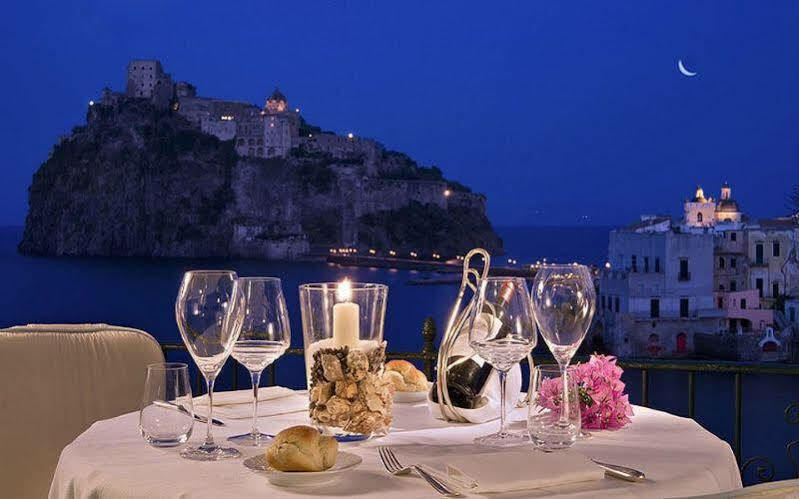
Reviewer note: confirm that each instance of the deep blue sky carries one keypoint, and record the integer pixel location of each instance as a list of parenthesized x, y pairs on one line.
[(554, 110)]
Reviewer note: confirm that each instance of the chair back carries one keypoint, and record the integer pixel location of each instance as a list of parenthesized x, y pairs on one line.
[(56, 381)]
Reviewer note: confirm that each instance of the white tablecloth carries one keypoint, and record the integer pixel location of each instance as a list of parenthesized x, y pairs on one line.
[(110, 460)]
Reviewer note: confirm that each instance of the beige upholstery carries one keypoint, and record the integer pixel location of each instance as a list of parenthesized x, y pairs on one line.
[(56, 381)]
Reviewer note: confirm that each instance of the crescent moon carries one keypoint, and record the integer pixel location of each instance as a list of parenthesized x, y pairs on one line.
[(683, 69)]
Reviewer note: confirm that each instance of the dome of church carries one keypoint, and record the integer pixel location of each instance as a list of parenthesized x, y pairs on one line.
[(727, 206), (277, 95)]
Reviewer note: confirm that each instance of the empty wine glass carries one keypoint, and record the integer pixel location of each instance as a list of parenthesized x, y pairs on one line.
[(564, 302), (502, 332), (265, 336), (209, 328)]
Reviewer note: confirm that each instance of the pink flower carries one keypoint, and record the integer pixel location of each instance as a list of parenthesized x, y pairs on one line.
[(603, 403)]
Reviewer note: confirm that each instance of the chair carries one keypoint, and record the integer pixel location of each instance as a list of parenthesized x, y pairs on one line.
[(783, 489), (56, 381)]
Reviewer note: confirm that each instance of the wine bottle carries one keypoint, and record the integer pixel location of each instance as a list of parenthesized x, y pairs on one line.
[(465, 380), (466, 377)]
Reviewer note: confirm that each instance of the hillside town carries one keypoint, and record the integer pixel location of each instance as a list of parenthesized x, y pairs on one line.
[(714, 284)]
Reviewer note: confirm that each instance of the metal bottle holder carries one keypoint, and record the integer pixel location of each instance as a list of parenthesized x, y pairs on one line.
[(455, 327)]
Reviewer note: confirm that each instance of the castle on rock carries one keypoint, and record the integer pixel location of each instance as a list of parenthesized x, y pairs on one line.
[(259, 132)]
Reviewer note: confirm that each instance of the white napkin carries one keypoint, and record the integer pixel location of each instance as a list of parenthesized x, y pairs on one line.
[(245, 396), (519, 470), (272, 400)]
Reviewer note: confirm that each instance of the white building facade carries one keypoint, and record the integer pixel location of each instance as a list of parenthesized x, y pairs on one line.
[(657, 291)]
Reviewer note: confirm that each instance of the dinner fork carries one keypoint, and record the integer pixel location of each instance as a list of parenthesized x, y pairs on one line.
[(394, 467)]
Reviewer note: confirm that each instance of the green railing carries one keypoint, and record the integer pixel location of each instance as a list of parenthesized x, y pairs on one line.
[(763, 467)]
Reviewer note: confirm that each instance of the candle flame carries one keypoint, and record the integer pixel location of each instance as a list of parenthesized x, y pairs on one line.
[(344, 290)]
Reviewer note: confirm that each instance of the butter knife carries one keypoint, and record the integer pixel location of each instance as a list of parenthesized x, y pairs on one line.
[(178, 407), (622, 472)]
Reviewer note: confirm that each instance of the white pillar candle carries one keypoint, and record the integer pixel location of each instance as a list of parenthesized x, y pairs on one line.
[(346, 317)]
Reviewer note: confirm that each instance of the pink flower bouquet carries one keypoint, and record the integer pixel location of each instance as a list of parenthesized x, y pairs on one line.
[(603, 403)]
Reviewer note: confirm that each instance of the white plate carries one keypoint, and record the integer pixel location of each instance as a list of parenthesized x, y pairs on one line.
[(345, 461)]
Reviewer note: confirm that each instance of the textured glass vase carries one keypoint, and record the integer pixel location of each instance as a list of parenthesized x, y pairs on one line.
[(342, 327)]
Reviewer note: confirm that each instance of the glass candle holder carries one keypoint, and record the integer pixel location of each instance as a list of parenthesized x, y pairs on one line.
[(342, 329)]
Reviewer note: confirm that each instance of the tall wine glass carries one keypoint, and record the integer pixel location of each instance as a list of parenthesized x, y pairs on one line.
[(502, 331), (265, 336), (209, 327), (564, 302)]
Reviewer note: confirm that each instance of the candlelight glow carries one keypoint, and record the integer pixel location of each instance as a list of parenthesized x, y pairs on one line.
[(344, 290)]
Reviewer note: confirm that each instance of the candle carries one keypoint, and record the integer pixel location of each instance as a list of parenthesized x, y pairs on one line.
[(346, 317)]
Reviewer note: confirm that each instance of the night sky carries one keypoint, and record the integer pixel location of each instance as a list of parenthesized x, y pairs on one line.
[(556, 110)]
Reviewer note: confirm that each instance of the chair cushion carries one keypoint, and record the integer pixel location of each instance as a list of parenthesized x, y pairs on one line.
[(58, 380)]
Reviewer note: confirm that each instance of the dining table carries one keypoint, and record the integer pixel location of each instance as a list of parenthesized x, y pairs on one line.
[(111, 460)]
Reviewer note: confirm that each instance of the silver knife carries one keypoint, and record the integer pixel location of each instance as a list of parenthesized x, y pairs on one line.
[(178, 407), (619, 471)]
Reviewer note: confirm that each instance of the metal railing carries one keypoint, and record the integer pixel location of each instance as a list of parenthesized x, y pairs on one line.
[(763, 467)]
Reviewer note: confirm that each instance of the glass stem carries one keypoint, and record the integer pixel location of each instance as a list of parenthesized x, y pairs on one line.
[(564, 403), (502, 416), (256, 380), (209, 438)]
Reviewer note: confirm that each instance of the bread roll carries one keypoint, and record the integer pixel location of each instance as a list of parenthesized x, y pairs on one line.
[(302, 448), (405, 377)]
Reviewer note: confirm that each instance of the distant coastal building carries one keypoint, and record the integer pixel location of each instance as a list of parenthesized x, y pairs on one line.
[(657, 293), (712, 284)]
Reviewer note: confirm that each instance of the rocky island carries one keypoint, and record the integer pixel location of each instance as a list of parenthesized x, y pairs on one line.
[(159, 171)]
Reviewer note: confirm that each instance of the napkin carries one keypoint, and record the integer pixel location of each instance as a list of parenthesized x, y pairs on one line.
[(519, 470), (272, 401)]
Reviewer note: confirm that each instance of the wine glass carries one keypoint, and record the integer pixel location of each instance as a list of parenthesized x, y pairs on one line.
[(502, 331), (564, 302), (209, 328), (265, 336)]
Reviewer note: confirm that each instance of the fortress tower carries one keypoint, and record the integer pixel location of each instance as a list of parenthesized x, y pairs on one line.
[(280, 125), (146, 78)]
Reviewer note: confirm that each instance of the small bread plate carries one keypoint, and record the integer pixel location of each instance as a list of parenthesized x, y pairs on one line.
[(411, 397), (345, 461)]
